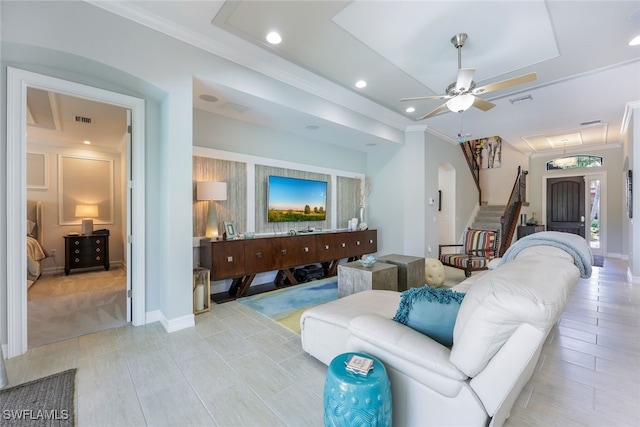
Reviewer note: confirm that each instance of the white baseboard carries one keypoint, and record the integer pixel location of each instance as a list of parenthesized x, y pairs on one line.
[(153, 316), (170, 325)]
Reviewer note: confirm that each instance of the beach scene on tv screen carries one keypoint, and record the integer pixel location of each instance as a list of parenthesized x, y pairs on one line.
[(295, 200)]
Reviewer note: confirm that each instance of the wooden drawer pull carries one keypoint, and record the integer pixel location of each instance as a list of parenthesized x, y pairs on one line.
[(284, 252), (229, 259), (344, 245), (259, 255), (358, 243), (326, 246), (306, 249)]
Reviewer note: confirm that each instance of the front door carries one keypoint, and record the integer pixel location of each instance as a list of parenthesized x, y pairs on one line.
[(565, 205)]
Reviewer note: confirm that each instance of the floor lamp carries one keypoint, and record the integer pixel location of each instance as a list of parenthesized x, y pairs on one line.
[(211, 191)]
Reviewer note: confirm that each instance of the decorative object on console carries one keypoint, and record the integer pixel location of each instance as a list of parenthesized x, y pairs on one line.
[(365, 190), (211, 191), (229, 230), (363, 226), (430, 310), (87, 213)]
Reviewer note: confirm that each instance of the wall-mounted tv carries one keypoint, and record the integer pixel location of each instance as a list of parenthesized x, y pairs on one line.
[(296, 199)]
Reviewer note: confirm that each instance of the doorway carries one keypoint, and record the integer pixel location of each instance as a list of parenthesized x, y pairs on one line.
[(81, 148), (577, 204), (16, 305), (446, 204)]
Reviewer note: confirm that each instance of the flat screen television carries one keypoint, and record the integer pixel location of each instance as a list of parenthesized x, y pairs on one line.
[(296, 199)]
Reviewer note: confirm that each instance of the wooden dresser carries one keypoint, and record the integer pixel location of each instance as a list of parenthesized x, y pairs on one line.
[(86, 250), (241, 260)]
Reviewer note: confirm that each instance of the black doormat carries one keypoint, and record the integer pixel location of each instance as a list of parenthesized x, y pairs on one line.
[(47, 401), (598, 261)]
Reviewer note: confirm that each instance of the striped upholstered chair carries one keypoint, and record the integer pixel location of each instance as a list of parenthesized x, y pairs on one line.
[(478, 248)]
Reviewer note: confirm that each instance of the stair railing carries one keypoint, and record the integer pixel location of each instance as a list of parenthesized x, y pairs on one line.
[(509, 219)]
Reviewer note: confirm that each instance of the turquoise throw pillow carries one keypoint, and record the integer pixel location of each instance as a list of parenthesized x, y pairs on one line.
[(430, 310)]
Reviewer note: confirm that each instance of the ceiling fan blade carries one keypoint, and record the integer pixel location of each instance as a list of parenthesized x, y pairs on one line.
[(505, 83), (421, 98), (465, 77), (434, 112), (482, 104)]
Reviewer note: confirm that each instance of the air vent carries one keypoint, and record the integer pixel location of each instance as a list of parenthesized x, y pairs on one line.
[(85, 120), (231, 106), (592, 122), (521, 99)]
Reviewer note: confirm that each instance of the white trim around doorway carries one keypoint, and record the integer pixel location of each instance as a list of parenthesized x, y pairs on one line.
[(16, 303)]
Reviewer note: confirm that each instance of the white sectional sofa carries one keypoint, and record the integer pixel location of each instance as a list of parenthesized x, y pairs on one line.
[(499, 332)]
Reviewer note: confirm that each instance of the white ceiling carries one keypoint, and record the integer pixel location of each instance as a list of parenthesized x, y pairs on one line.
[(579, 49), (63, 120)]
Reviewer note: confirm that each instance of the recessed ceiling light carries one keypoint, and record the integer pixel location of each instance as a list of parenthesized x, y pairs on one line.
[(86, 142), (361, 84), (635, 41), (274, 38), (312, 127), (410, 109), (208, 98)]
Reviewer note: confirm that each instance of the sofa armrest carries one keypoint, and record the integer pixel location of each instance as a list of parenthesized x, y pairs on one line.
[(406, 350)]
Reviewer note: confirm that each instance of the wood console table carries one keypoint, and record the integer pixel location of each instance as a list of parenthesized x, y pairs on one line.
[(242, 260)]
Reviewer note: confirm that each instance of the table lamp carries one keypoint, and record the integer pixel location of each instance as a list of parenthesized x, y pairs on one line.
[(211, 191), (87, 213)]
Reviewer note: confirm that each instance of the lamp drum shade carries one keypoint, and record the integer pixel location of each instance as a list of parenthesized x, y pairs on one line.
[(86, 212), (211, 190)]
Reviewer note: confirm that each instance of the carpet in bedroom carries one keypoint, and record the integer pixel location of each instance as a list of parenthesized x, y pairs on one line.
[(285, 306), (61, 307)]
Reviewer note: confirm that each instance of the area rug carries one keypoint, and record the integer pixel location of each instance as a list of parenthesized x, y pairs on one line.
[(44, 402), (285, 306), (598, 261)]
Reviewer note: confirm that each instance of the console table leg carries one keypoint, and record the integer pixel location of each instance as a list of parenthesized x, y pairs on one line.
[(235, 285), (292, 279), (246, 283)]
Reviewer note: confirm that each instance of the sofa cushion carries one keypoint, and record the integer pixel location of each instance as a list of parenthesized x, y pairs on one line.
[(530, 291), (430, 310)]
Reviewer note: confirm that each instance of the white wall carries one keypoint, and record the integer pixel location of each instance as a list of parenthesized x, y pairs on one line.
[(497, 183)]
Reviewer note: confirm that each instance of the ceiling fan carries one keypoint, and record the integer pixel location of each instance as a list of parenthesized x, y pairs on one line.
[(462, 93)]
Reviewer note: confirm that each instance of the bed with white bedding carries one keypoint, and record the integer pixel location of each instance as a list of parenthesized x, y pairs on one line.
[(35, 251)]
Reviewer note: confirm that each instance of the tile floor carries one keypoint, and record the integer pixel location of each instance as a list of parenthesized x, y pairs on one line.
[(237, 368)]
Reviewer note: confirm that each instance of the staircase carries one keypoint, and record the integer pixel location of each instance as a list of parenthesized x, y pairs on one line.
[(488, 217)]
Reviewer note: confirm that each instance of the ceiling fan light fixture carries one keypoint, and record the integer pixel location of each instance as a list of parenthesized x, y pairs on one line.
[(460, 103)]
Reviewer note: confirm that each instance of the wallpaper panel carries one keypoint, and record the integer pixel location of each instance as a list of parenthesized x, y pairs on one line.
[(348, 195), (234, 208)]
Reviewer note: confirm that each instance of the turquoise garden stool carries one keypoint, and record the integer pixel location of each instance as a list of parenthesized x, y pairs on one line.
[(352, 399)]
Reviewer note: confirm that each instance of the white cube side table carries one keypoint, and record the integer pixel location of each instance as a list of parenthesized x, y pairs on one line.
[(352, 278)]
